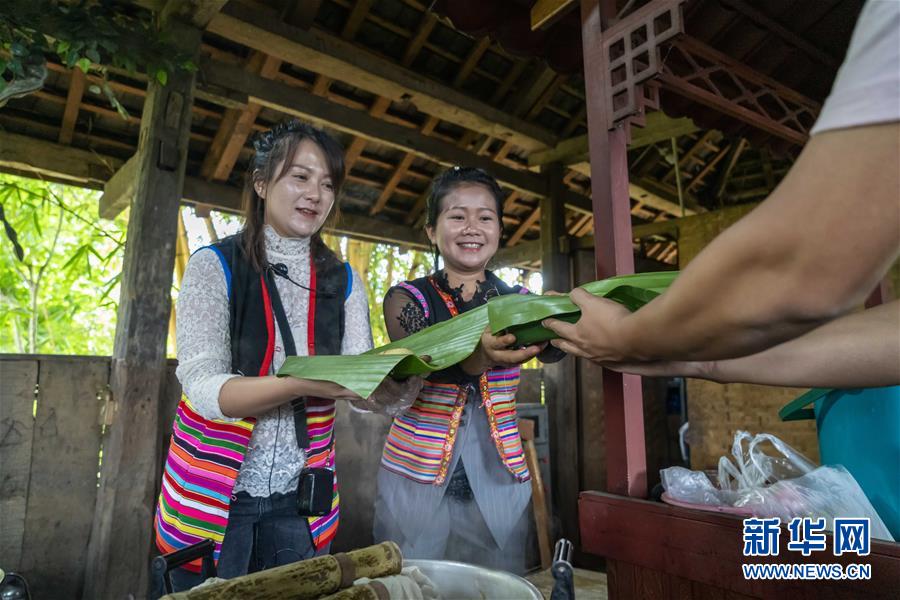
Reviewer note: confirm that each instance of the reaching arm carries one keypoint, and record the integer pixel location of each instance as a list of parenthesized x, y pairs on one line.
[(811, 252), (858, 350)]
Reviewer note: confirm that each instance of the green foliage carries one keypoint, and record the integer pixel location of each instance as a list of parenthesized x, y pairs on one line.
[(388, 267), (83, 34), (61, 297)]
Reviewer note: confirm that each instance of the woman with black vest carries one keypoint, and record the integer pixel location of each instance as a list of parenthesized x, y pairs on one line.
[(453, 482), (244, 440)]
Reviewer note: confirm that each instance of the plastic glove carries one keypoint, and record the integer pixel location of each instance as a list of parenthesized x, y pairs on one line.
[(392, 397)]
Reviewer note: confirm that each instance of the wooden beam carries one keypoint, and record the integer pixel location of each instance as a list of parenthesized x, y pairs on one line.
[(236, 125), (689, 156), (426, 25), (517, 68), (475, 54), (521, 254), (392, 184), (121, 532), (658, 127), (527, 224), (546, 97), (722, 181), (319, 52), (73, 101), (298, 102), (38, 158), (640, 193), (697, 179), (355, 19), (546, 12), (197, 12), (530, 92), (119, 190)]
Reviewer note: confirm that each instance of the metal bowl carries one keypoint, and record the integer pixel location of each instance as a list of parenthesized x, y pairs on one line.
[(461, 581)]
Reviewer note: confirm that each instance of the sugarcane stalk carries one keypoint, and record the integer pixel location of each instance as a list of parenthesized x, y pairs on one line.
[(305, 580)]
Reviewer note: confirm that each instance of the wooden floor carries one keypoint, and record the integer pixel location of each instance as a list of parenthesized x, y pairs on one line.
[(589, 585)]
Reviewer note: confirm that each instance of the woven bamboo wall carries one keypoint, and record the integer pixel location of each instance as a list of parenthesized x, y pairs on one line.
[(716, 411)]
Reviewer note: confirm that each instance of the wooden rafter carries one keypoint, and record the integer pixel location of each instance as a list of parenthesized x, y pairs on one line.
[(725, 175), (527, 224), (429, 20), (691, 155), (321, 53), (577, 119), (707, 169), (514, 73), (73, 101), (392, 184), (475, 54), (236, 125), (511, 200), (532, 90), (356, 18), (545, 97)]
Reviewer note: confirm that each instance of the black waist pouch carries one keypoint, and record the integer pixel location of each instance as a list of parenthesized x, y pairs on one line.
[(315, 491)]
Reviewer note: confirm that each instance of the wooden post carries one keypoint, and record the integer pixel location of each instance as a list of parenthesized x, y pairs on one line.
[(623, 404), (121, 535), (559, 378)]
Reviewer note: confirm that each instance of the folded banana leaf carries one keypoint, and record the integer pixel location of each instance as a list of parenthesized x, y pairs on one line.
[(522, 315), (451, 342)]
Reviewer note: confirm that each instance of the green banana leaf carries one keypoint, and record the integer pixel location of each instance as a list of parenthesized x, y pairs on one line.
[(451, 342), (522, 315)]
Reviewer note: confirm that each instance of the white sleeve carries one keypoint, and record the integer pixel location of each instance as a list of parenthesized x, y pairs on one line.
[(357, 328), (867, 88), (202, 334)]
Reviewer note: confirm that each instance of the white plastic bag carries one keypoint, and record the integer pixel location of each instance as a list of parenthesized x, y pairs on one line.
[(765, 477)]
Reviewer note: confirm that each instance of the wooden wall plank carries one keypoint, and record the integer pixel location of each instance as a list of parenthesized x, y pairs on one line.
[(16, 434), (64, 467)]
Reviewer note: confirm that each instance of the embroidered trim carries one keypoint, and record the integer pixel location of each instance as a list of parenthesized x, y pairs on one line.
[(447, 454), (486, 403), (417, 295)]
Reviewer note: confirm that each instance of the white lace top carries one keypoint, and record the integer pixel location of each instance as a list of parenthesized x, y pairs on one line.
[(273, 460)]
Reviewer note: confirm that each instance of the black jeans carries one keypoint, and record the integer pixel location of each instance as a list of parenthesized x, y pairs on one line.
[(262, 533)]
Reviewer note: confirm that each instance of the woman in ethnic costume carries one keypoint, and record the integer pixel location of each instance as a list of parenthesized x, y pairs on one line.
[(453, 482), (242, 436)]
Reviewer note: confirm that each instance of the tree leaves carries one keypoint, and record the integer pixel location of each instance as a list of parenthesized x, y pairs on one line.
[(84, 35), (76, 292)]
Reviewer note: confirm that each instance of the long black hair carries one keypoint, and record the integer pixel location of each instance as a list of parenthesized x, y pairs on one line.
[(271, 147), (449, 180)]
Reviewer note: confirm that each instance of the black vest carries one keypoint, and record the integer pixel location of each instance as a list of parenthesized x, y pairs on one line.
[(250, 291), (250, 305)]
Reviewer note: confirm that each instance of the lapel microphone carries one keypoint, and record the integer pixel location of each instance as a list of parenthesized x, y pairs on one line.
[(281, 270)]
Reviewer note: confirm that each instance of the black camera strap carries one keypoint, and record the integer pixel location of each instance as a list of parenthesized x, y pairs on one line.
[(290, 349)]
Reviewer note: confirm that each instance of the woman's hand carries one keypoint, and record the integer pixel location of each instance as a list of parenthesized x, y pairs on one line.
[(497, 351), (392, 397)]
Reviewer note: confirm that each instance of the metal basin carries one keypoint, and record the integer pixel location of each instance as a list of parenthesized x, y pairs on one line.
[(461, 581)]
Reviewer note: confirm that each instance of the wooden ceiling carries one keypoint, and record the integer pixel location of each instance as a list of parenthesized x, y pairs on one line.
[(407, 94)]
